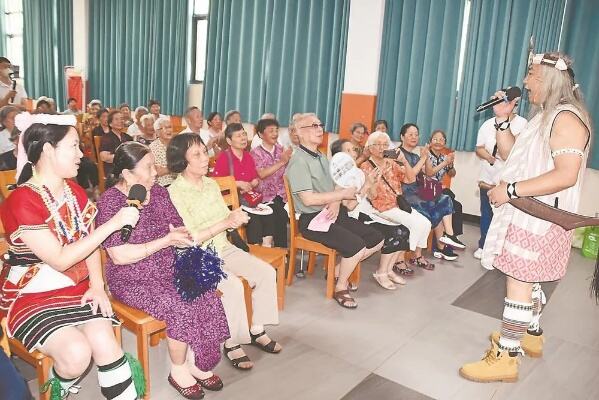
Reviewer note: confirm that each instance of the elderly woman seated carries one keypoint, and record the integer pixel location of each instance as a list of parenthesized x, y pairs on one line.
[(239, 163), (134, 130), (164, 129), (199, 202), (387, 197), (233, 117), (439, 166), (140, 273), (396, 235), (214, 136), (359, 133), (438, 211), (147, 134), (271, 160)]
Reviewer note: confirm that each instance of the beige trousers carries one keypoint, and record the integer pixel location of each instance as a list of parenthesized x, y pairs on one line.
[(262, 278)]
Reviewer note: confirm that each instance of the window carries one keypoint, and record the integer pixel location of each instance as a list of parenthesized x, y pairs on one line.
[(13, 18), (199, 39)]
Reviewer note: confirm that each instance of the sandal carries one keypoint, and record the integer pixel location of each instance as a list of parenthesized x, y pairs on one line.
[(269, 348), (236, 361), (193, 392), (422, 263), (342, 297), (214, 383), (352, 287), (384, 281), (401, 268), (393, 277)]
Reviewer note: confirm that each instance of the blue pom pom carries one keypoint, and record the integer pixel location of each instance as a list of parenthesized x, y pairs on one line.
[(197, 271)]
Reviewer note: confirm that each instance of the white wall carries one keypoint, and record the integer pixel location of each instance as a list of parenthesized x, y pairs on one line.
[(464, 185), (364, 37)]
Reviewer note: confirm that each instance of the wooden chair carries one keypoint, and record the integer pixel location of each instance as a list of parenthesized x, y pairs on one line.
[(101, 176), (272, 255), (299, 242), (146, 328), (7, 178), (39, 361)]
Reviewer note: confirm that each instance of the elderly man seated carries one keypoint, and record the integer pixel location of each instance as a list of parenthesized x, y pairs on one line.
[(314, 192)]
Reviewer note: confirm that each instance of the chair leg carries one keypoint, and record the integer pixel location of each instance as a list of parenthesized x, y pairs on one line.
[(143, 356), (330, 276), (291, 270), (311, 262), (281, 283), (43, 374)]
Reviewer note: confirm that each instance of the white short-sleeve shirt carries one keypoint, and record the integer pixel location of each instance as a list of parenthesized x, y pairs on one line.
[(486, 137), (19, 97)]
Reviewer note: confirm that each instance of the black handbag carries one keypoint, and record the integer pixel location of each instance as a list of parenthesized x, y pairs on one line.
[(401, 201)]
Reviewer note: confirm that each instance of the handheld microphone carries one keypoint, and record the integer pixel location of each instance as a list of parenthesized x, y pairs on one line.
[(14, 85), (510, 94), (137, 195)]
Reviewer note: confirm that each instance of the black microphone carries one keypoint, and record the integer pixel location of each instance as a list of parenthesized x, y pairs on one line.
[(510, 94), (14, 85), (137, 195)]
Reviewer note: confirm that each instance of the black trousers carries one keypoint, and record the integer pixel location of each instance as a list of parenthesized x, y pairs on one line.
[(346, 235), (258, 227), (281, 219), (87, 176)]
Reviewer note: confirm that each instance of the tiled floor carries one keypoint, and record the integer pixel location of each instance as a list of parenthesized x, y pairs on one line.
[(406, 344)]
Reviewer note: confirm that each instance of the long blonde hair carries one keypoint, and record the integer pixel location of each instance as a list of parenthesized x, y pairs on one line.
[(558, 87)]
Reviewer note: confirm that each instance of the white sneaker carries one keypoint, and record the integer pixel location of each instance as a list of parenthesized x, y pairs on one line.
[(485, 266), (478, 254)]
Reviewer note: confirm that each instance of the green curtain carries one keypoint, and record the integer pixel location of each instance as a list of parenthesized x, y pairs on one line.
[(47, 47), (138, 51), (296, 64), (579, 41), (306, 63), (238, 37), (419, 63), (496, 56)]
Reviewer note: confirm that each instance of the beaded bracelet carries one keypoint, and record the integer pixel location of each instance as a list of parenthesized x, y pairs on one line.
[(511, 190), (502, 126)]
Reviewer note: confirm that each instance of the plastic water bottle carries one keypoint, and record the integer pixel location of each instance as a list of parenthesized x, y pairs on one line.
[(590, 246)]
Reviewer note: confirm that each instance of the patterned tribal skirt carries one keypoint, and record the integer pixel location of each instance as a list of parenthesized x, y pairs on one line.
[(34, 317), (529, 257)]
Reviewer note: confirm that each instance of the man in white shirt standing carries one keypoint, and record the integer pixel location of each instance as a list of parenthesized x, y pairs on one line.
[(8, 95), (491, 165)]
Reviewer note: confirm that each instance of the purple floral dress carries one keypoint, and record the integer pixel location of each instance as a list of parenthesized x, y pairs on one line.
[(149, 286)]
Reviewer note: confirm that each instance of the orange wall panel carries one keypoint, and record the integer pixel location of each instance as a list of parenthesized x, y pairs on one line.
[(356, 108)]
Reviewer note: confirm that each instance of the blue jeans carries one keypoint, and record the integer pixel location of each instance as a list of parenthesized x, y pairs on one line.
[(486, 215), (12, 384)]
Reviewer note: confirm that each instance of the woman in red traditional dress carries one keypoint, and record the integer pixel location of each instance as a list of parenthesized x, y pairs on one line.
[(52, 289)]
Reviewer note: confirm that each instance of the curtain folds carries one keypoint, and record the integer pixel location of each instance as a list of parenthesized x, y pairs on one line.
[(2, 30), (579, 41), (297, 64), (497, 54), (419, 64), (138, 51), (47, 47)]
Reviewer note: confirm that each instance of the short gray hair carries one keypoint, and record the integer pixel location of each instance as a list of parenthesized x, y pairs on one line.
[(374, 136), (146, 117), (189, 111), (4, 111), (160, 122), (141, 108)]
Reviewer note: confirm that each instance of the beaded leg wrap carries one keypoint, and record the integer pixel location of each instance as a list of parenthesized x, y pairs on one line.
[(538, 301), (516, 319), (122, 379)]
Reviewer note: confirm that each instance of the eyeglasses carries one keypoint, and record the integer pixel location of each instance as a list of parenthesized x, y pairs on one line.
[(315, 126), (438, 140), (380, 145)]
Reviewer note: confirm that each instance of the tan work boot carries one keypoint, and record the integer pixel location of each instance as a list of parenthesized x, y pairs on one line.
[(531, 344), (495, 366)]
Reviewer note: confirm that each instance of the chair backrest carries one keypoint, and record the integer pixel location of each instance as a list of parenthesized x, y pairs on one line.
[(101, 176), (228, 189), (292, 221), (8, 177)]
